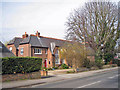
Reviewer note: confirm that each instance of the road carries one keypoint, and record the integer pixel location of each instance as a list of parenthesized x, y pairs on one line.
[(107, 79)]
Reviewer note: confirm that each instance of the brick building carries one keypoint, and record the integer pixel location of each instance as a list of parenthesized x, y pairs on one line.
[(38, 46)]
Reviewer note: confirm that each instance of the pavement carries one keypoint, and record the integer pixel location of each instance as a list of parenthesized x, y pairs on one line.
[(102, 80), (50, 79)]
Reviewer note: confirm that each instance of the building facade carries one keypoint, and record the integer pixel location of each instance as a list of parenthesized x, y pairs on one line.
[(38, 46)]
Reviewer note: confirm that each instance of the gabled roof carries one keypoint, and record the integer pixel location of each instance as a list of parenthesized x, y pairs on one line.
[(4, 51), (42, 41), (16, 41)]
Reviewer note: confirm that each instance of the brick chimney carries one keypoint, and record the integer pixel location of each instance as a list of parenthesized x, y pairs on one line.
[(25, 35), (37, 34)]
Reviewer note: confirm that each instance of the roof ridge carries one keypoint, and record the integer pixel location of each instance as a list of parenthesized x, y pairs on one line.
[(50, 38), (55, 38), (18, 37)]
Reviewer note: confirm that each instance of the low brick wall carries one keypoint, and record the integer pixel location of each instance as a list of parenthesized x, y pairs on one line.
[(44, 73), (14, 77)]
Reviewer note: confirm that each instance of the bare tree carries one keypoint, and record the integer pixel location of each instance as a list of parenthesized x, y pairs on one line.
[(96, 23)]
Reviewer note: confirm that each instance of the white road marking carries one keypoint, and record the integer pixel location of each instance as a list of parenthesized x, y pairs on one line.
[(89, 84), (113, 76)]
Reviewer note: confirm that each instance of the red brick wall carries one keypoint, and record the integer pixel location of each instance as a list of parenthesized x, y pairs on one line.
[(49, 58), (43, 55), (13, 48), (26, 50)]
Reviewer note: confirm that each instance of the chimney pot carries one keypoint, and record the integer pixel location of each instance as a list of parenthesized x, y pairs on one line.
[(37, 34), (25, 35)]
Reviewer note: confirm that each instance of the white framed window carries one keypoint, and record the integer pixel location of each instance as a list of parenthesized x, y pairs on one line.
[(37, 51), (57, 61), (21, 51), (63, 61), (10, 48), (57, 52), (45, 51)]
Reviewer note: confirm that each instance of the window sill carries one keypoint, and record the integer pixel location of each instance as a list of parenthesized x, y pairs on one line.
[(38, 53), (21, 53), (57, 63)]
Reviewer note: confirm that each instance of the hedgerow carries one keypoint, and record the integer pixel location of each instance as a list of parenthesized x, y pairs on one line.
[(12, 65)]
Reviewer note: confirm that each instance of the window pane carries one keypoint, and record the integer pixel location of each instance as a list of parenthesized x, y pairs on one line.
[(10, 48), (46, 51), (39, 50), (21, 51)]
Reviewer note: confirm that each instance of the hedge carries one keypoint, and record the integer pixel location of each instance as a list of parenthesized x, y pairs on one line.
[(12, 65), (116, 61)]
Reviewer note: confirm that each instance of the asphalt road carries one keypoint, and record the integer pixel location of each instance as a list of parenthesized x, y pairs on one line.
[(107, 79)]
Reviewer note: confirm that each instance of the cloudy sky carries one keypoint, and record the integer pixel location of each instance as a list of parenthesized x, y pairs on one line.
[(46, 16)]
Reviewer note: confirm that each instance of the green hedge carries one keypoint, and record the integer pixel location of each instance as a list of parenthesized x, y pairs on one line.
[(12, 65), (64, 66), (116, 61)]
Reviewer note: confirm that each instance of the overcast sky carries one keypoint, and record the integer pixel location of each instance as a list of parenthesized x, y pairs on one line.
[(46, 16)]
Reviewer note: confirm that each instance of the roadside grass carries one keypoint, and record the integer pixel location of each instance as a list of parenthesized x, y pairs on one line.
[(91, 69)]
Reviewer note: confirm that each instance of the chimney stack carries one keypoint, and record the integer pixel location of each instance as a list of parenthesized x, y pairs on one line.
[(25, 35), (37, 34)]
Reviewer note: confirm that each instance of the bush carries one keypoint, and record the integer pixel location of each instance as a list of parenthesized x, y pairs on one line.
[(71, 71), (99, 63), (116, 61), (107, 66), (49, 69), (64, 66), (12, 65), (108, 57), (88, 64), (44, 68), (55, 67), (94, 68), (114, 65)]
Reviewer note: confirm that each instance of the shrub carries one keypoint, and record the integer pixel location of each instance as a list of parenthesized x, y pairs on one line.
[(88, 64), (44, 68), (50, 69), (107, 66), (116, 61), (108, 57), (12, 65), (55, 67), (71, 71), (64, 66), (114, 65), (99, 63)]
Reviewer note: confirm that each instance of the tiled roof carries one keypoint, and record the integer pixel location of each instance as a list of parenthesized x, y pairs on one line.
[(4, 51), (42, 41), (16, 41)]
